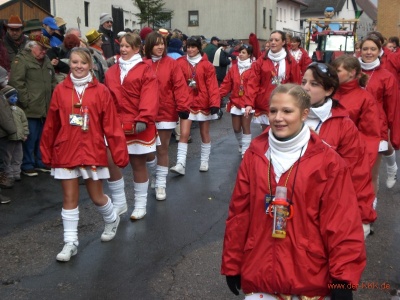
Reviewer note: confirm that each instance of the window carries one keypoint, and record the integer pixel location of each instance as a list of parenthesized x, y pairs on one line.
[(280, 14), (193, 18), (264, 17), (291, 13), (86, 14), (284, 15), (270, 19)]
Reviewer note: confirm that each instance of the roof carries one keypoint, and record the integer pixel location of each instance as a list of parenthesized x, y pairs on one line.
[(318, 6), (298, 2), (369, 8)]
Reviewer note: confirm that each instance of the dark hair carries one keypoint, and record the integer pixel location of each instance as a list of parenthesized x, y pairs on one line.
[(394, 40), (378, 35), (248, 48), (303, 99), (71, 41), (350, 63), (153, 39), (296, 39), (283, 37), (132, 39), (194, 42), (373, 38), (325, 75)]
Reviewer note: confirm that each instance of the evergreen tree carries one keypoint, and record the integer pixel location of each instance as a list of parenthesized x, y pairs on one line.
[(152, 13)]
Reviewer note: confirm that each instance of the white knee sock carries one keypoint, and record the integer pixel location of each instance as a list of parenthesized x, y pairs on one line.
[(70, 219), (238, 136), (107, 211), (140, 190), (246, 142), (375, 203), (152, 166), (205, 151), (182, 153), (161, 178), (390, 160), (117, 189)]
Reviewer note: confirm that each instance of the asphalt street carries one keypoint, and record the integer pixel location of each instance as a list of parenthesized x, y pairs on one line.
[(173, 253)]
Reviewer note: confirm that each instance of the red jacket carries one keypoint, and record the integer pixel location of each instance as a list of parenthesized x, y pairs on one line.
[(364, 112), (340, 133), (324, 239), (260, 87), (66, 146), (231, 84), (303, 59), (383, 86), (136, 98), (207, 94), (173, 89)]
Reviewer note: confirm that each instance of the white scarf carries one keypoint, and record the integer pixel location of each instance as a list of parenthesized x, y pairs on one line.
[(296, 54), (80, 84), (244, 65), (217, 56), (155, 58), (381, 53), (319, 115), (369, 66), (283, 154), (126, 65), (194, 60), (279, 58)]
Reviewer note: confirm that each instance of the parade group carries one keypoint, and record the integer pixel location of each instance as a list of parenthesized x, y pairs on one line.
[(306, 191)]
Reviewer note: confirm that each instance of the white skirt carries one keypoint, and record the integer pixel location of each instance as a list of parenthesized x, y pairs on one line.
[(383, 146), (263, 296), (138, 149), (200, 117), (236, 111), (261, 119), (166, 125), (96, 173)]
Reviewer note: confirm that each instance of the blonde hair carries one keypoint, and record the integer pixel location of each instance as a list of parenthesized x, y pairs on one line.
[(301, 96)]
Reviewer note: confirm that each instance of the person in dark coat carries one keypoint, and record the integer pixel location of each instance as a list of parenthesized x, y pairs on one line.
[(106, 22)]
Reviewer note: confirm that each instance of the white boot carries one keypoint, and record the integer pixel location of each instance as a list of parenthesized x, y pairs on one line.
[(179, 168), (70, 219), (204, 156), (140, 200), (246, 140), (111, 220), (238, 136), (391, 168), (117, 189), (161, 183), (152, 167)]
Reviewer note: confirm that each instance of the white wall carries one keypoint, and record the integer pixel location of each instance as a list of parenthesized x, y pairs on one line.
[(70, 10), (225, 19)]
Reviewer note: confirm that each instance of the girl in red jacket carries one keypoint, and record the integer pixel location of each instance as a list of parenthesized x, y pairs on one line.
[(383, 87), (330, 120), (299, 54), (275, 67), (174, 102), (134, 88), (204, 97), (235, 82), (360, 104), (323, 240), (74, 146)]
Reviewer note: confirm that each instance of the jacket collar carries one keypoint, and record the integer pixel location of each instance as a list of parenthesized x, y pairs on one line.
[(260, 145)]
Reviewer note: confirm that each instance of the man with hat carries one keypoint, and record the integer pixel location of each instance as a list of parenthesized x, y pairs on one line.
[(48, 30), (33, 26), (211, 48), (61, 32), (14, 40), (95, 42), (106, 22), (33, 76)]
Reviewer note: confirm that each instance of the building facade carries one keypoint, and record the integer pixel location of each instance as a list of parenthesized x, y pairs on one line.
[(389, 17), (288, 16), (226, 19)]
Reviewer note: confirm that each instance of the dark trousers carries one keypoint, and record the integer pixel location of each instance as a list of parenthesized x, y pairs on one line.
[(32, 156)]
